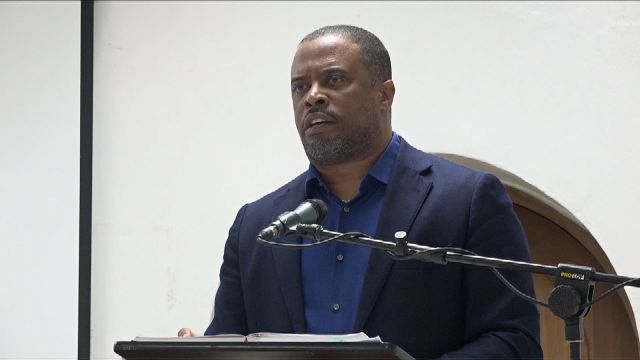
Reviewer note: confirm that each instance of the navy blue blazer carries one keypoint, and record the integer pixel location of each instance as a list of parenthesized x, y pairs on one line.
[(448, 311)]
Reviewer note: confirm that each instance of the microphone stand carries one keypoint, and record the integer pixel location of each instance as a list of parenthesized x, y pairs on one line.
[(570, 299)]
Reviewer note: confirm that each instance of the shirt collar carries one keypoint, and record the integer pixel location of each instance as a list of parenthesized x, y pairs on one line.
[(381, 169)]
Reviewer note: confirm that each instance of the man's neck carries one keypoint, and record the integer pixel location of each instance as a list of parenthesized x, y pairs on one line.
[(344, 179)]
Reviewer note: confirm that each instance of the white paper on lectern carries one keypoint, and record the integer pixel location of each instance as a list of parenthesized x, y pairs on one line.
[(266, 337)]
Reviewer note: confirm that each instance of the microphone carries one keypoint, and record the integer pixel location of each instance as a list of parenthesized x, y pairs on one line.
[(308, 212)]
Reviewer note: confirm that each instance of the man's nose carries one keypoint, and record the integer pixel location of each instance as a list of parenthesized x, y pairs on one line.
[(316, 96)]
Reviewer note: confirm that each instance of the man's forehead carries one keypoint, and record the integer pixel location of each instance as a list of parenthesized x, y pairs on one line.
[(326, 48), (329, 42)]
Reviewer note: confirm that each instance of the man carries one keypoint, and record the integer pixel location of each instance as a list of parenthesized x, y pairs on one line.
[(376, 183)]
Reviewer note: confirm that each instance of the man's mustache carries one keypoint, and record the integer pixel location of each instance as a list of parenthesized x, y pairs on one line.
[(317, 109)]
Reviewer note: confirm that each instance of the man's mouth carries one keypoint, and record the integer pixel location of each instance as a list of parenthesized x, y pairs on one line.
[(318, 119)]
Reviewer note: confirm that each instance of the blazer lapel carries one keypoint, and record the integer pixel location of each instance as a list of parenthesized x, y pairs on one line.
[(287, 261), (406, 192)]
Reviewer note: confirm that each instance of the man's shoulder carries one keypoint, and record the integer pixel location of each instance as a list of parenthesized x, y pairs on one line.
[(292, 189), (437, 166), (259, 213)]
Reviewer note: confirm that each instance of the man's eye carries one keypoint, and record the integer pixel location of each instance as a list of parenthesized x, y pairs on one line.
[(336, 79), (298, 88)]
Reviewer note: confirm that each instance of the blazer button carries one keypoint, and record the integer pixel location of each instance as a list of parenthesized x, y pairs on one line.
[(336, 307)]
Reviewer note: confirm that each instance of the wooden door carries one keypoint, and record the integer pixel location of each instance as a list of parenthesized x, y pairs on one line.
[(556, 236), (610, 331)]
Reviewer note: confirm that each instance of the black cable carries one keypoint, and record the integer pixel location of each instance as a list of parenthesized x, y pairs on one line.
[(294, 246), (495, 271), (348, 235), (608, 292), (515, 289)]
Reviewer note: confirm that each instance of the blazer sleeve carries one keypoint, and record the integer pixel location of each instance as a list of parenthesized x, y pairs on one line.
[(229, 310), (500, 325)]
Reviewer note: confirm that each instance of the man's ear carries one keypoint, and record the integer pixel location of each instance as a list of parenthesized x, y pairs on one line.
[(386, 93)]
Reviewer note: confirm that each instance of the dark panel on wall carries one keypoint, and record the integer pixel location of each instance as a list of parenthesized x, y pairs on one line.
[(86, 151)]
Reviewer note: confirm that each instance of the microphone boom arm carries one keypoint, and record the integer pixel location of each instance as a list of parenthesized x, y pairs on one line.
[(570, 299), (445, 255)]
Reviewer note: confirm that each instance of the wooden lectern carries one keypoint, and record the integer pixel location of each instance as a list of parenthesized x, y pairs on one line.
[(137, 350)]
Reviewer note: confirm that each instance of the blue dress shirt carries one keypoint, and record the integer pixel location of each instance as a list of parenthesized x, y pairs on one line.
[(333, 274)]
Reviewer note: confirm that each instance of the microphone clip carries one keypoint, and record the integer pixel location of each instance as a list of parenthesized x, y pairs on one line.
[(402, 247), (309, 230)]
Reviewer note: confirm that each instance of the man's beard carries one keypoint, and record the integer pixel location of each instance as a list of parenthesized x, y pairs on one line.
[(352, 145)]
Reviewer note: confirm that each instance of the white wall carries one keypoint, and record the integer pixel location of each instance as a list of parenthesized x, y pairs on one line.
[(193, 118), (39, 186)]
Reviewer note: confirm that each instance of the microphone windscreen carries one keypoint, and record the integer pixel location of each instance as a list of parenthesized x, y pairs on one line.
[(320, 207)]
